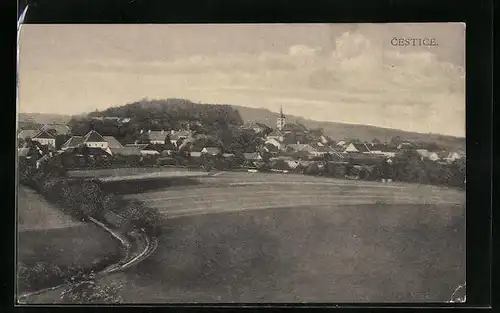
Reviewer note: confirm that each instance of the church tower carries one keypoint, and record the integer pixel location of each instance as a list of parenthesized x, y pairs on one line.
[(281, 120)]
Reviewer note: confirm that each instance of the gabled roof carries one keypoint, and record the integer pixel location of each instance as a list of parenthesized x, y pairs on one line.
[(96, 151), (127, 151), (112, 142), (73, 142), (27, 133), (361, 147), (43, 134), (302, 147), (138, 146), (276, 133), (61, 129), (93, 136)]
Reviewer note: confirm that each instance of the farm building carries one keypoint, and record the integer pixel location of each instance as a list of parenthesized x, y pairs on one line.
[(45, 138), (144, 148), (356, 148), (59, 129)]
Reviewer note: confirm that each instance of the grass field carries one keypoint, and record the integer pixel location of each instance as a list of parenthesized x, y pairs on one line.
[(125, 171), (241, 237), (45, 234), (35, 213)]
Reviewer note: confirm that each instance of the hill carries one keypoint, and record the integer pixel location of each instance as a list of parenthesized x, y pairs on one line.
[(338, 131), (35, 120)]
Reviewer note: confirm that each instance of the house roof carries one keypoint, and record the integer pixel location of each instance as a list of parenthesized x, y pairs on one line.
[(180, 134), (294, 127), (251, 156), (139, 146), (276, 133), (127, 151), (302, 147), (361, 147), (27, 133), (93, 136), (112, 142), (97, 151), (73, 142), (156, 135), (43, 134), (211, 150), (61, 129)]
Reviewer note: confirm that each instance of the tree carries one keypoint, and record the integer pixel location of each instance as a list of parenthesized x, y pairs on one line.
[(395, 141), (91, 292)]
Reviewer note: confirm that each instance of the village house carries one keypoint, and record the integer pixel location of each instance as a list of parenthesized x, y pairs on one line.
[(145, 149), (426, 154), (381, 149), (126, 151), (27, 133), (356, 148), (255, 127), (454, 156), (300, 147), (113, 143), (212, 151), (341, 143), (253, 156), (276, 135), (92, 140), (175, 136), (274, 142), (154, 136), (58, 129), (45, 138)]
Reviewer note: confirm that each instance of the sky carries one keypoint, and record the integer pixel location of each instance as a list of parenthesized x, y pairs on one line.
[(348, 73)]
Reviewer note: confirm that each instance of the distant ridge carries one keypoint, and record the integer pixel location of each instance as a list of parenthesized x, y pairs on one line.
[(335, 130), (338, 131)]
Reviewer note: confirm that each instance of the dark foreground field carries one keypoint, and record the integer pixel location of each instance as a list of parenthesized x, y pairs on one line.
[(291, 238), (343, 254), (47, 235)]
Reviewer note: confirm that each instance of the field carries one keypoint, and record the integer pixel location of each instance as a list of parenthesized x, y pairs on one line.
[(292, 238), (45, 234), (123, 171), (240, 237)]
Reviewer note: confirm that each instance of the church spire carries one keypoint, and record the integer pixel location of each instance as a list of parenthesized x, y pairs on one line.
[(281, 119)]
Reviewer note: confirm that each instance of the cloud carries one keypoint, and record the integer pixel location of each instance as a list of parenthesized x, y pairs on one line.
[(361, 81)]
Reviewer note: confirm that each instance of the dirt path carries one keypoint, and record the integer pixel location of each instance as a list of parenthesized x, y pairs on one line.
[(143, 247)]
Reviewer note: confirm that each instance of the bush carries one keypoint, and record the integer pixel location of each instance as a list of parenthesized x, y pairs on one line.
[(40, 275)]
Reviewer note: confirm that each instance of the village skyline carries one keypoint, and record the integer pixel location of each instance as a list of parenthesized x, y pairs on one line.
[(338, 73)]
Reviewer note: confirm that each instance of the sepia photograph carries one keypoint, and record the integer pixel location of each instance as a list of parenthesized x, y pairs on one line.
[(241, 163)]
